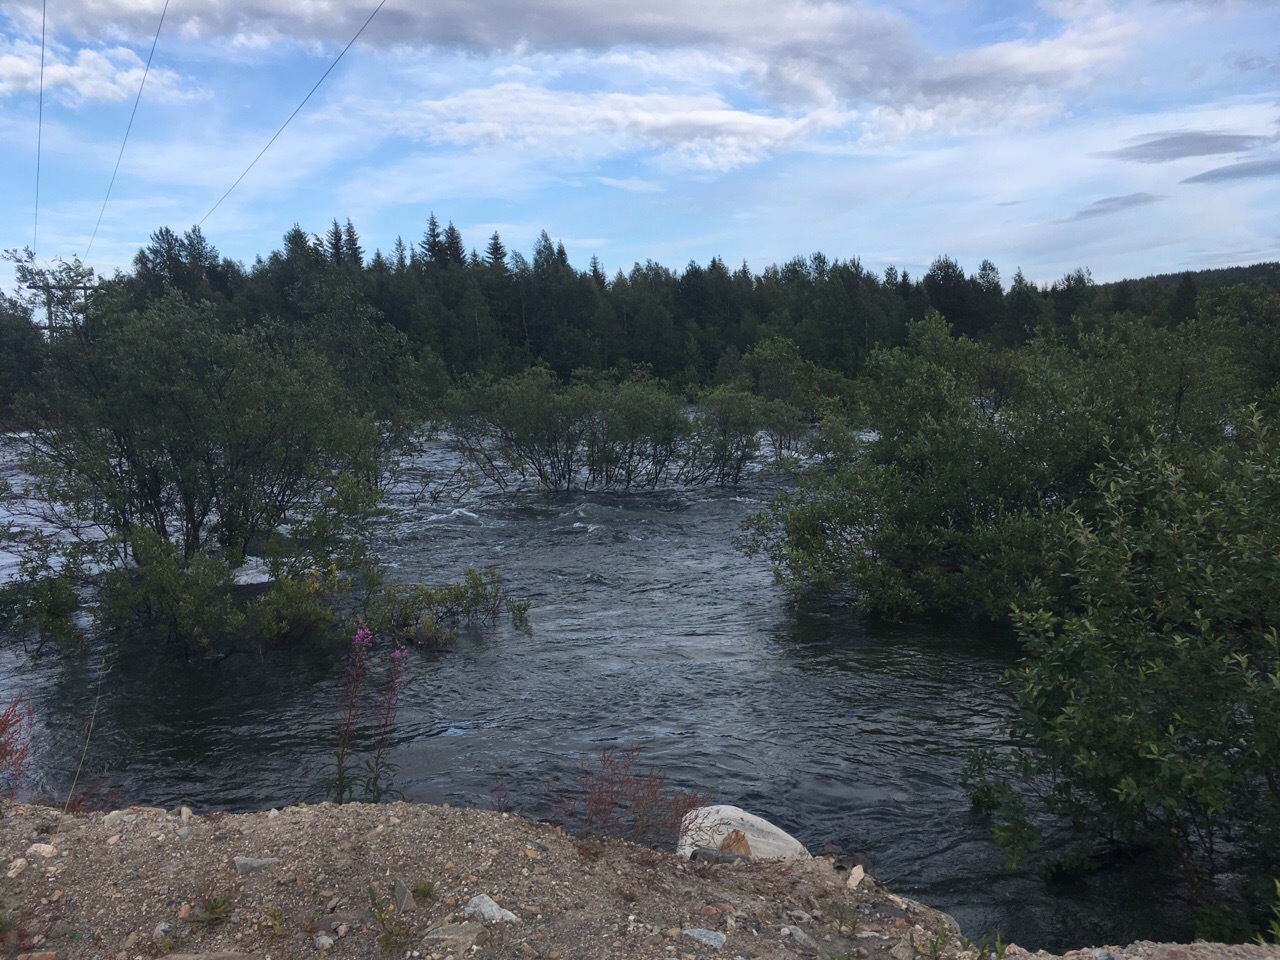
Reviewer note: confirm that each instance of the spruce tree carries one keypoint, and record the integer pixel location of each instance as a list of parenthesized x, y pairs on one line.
[(431, 244), (495, 254), (352, 252), (333, 244), (452, 251)]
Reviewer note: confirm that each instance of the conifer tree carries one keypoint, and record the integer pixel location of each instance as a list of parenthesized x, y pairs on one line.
[(352, 252), (495, 254), (333, 244), (431, 244), (452, 251)]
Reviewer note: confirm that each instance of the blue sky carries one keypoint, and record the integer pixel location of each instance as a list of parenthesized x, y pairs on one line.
[(1127, 137)]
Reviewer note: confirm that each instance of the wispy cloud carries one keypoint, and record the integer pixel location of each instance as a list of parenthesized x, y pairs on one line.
[(1166, 147), (1111, 205), (1247, 170)]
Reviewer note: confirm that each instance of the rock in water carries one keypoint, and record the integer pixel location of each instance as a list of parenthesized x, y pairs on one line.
[(712, 826)]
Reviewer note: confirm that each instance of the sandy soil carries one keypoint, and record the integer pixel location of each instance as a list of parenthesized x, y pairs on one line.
[(399, 880)]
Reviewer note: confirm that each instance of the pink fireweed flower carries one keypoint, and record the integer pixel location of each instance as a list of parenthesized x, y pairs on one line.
[(363, 639)]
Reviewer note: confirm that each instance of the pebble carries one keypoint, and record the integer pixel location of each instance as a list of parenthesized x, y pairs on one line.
[(324, 941), (802, 938), (708, 937), (113, 840), (45, 850), (246, 865), (16, 867), (185, 814)]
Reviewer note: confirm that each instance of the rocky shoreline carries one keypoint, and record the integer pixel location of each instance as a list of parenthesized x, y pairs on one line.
[(433, 883)]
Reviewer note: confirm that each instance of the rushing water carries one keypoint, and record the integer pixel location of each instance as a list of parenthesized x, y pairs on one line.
[(649, 630)]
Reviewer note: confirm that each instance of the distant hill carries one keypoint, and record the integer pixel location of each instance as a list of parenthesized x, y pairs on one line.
[(1265, 273)]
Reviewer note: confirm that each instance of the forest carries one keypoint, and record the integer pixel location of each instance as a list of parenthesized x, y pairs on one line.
[(1092, 465)]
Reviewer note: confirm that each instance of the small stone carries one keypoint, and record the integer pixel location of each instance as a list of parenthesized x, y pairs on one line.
[(799, 916), (343, 930), (403, 896), (856, 873), (41, 955), (16, 867), (708, 938), (245, 865), (113, 840), (184, 911), (45, 850), (482, 906), (802, 938), (184, 833), (272, 813), (112, 820), (161, 931), (553, 955), (456, 938), (709, 911), (903, 951), (185, 813), (323, 941), (526, 950)]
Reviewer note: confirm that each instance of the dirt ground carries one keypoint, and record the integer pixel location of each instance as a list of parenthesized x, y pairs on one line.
[(405, 880)]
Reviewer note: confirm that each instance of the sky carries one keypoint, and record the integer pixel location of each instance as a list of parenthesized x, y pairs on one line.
[(1129, 137)]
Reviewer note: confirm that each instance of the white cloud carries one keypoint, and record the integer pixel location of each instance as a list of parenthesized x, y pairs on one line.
[(701, 131), (93, 75)]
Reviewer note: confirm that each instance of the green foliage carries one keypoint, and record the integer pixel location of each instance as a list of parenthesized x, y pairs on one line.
[(40, 604), (1151, 696), (212, 909), (602, 433), (945, 501), (430, 616), (166, 445), (1272, 933), (175, 599), (392, 927)]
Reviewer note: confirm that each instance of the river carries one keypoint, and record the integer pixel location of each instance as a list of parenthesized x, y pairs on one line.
[(648, 630)]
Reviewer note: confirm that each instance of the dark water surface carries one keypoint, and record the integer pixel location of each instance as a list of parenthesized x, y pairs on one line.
[(648, 630)]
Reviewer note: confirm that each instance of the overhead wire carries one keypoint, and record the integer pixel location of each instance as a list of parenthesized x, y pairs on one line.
[(35, 225), (296, 111), (129, 128)]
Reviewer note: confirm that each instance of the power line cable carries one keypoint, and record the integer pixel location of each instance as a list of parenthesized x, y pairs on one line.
[(296, 111), (35, 226), (128, 129)]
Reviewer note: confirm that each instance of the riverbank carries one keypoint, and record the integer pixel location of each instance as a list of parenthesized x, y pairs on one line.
[(419, 881)]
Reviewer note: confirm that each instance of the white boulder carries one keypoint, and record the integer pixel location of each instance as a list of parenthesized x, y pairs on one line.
[(710, 826)]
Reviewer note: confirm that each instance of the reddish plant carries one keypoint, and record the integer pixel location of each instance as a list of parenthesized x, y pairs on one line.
[(15, 744), (620, 799)]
